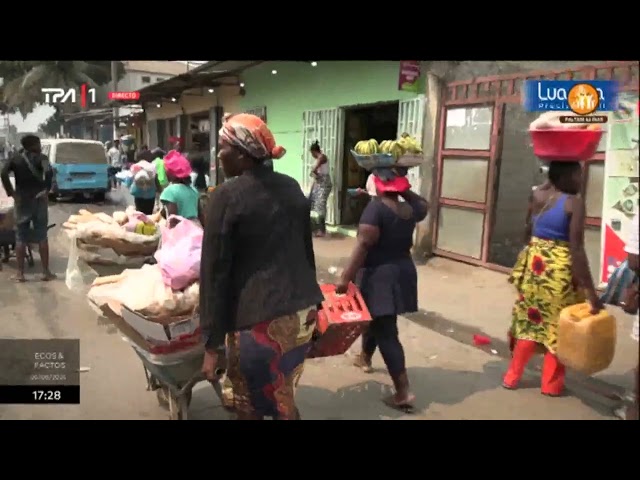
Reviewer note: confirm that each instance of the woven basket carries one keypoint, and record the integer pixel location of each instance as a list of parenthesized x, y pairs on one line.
[(121, 247)]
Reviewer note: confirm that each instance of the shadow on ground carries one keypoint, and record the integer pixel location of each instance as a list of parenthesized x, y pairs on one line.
[(363, 401)]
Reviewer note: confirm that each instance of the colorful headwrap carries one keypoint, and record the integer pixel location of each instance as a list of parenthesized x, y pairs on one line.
[(174, 140), (177, 166), (252, 135), (392, 179), (397, 185)]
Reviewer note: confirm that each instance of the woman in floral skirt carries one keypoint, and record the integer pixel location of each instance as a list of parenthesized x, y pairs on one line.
[(551, 273)]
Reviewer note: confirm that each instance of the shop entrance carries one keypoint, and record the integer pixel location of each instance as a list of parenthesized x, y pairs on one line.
[(379, 121)]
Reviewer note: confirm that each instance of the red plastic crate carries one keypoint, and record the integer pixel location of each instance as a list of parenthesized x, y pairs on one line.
[(341, 320), (568, 145)]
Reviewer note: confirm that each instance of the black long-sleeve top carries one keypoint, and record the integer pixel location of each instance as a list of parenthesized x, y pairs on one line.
[(28, 185), (257, 255)]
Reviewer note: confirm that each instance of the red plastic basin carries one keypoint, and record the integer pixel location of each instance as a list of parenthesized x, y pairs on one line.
[(568, 145)]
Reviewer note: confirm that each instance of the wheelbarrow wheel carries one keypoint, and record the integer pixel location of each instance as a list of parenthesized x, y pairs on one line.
[(163, 395), (179, 406)]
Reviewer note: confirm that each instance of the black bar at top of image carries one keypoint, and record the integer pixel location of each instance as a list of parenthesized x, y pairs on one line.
[(40, 394)]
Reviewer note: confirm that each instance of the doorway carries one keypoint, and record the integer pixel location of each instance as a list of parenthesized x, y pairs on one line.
[(379, 121)]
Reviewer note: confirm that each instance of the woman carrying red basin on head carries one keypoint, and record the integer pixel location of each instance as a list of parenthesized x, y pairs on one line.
[(552, 272)]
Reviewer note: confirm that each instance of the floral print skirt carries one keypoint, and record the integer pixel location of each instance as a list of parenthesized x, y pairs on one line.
[(543, 277), (265, 364)]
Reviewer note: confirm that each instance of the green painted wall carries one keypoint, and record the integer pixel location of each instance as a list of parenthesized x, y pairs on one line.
[(298, 87)]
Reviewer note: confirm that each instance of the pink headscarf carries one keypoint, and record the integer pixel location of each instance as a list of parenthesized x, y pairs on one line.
[(176, 165)]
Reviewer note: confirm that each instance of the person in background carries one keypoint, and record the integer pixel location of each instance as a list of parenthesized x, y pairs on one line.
[(633, 259), (177, 144), (33, 176), (320, 189), (144, 197), (258, 277), (199, 177), (158, 155), (551, 273), (145, 154), (179, 197), (116, 158), (382, 264)]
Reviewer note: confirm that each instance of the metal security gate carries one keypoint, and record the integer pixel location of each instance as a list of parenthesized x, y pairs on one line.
[(216, 175), (411, 120), (327, 127)]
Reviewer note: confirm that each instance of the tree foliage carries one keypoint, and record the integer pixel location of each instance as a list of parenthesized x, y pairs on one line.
[(52, 125), (23, 81)]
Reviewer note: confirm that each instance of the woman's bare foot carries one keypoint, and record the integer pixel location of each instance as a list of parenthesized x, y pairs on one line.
[(404, 403), (19, 278), (48, 276), (363, 363)]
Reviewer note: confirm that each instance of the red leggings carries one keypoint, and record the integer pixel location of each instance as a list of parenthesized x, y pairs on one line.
[(553, 372)]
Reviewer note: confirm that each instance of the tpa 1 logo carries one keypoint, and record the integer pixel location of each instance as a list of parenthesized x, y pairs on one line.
[(60, 95)]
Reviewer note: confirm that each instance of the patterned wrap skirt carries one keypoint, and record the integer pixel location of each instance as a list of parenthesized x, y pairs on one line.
[(265, 363), (543, 277), (320, 191)]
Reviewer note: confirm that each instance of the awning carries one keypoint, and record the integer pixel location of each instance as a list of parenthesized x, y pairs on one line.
[(95, 114), (209, 75)]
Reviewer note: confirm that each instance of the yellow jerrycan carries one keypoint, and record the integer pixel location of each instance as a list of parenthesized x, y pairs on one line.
[(586, 342)]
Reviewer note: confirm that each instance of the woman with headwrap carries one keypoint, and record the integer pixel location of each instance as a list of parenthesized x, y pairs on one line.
[(257, 280), (320, 190), (179, 197), (386, 274)]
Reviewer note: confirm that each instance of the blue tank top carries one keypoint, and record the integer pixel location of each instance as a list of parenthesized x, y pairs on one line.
[(553, 224)]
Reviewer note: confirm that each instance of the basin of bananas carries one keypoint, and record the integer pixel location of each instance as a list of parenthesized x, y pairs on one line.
[(404, 152)]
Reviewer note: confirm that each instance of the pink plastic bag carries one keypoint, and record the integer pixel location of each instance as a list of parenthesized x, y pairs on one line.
[(179, 255)]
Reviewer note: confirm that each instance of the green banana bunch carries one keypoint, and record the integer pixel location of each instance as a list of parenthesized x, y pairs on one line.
[(367, 147), (393, 147), (410, 144), (362, 148), (385, 147), (397, 149)]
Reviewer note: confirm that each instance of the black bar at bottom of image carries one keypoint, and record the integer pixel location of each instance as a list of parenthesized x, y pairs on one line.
[(36, 394)]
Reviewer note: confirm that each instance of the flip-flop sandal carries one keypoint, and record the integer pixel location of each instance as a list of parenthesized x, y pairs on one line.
[(49, 278), (19, 279), (405, 407), (509, 387)]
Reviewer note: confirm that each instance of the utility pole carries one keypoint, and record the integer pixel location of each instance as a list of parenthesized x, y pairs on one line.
[(114, 88)]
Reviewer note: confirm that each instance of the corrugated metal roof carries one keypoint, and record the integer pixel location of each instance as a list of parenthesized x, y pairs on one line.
[(154, 66), (209, 74)]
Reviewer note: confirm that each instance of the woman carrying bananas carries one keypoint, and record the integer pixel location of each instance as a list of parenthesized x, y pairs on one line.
[(320, 190), (383, 268)]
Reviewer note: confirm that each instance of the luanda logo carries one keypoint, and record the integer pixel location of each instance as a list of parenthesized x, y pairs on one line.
[(583, 99), (578, 98)]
